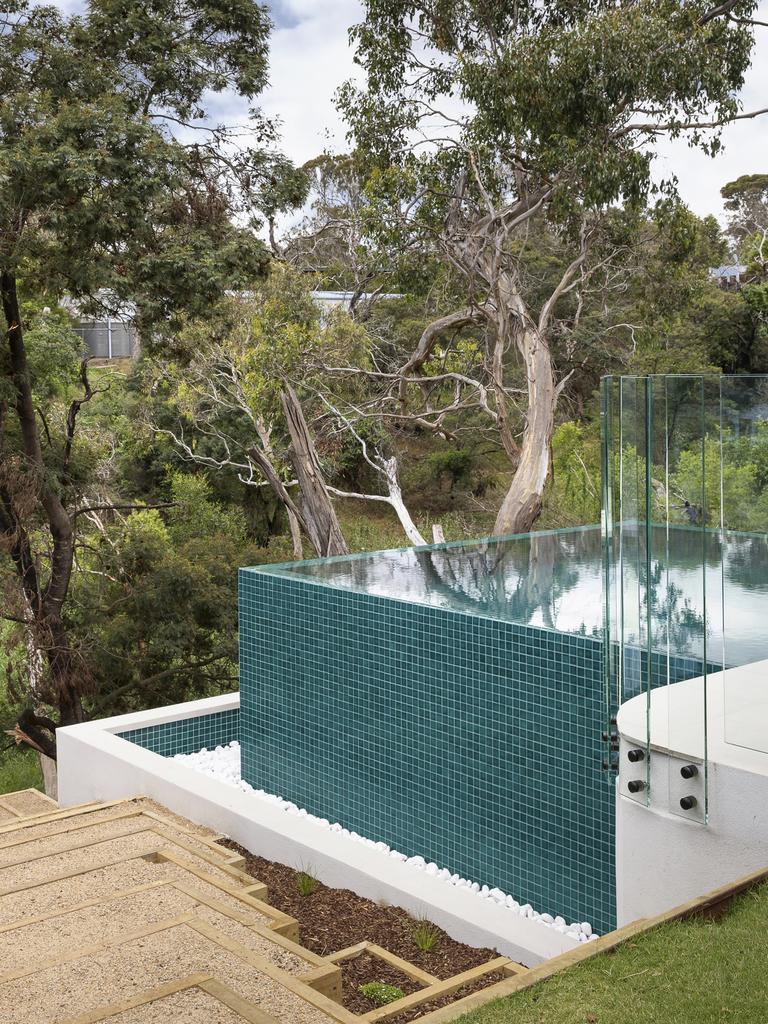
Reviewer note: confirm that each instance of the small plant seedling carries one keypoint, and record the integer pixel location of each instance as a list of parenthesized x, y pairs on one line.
[(380, 993), (425, 935), (305, 883)]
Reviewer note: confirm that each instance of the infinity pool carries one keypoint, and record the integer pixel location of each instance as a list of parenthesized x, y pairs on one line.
[(450, 701)]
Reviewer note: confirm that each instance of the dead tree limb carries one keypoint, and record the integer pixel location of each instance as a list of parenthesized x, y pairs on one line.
[(320, 520)]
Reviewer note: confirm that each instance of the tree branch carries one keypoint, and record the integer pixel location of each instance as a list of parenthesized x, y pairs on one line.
[(121, 508)]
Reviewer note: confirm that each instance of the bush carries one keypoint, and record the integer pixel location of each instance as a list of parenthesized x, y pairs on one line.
[(380, 994)]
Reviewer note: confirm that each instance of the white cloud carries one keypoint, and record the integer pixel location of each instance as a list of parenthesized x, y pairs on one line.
[(310, 57), (308, 62)]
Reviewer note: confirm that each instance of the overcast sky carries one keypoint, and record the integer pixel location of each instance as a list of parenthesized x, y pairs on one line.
[(310, 57)]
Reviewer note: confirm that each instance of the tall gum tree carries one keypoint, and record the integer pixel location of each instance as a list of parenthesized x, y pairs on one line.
[(100, 199), (480, 121)]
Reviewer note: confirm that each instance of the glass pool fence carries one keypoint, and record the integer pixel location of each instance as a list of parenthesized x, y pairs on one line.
[(685, 515)]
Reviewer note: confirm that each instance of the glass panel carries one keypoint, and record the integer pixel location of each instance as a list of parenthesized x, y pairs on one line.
[(609, 433), (659, 553), (634, 632), (692, 473), (744, 521)]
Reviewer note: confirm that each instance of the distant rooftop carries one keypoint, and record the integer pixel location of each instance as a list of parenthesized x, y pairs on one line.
[(728, 272), (346, 297)]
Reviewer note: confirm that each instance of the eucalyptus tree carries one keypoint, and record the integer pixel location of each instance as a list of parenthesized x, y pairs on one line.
[(332, 240), (253, 398), (482, 122), (114, 188), (746, 203)]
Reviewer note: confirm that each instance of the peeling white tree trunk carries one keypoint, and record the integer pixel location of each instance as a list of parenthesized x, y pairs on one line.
[(397, 502), (387, 468), (50, 776), (265, 436), (35, 667), (319, 515), (522, 503), (293, 524)]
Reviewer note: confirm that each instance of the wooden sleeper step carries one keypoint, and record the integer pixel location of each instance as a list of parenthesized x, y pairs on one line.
[(193, 1000)]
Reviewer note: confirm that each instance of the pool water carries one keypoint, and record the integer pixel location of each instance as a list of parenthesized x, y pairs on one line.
[(555, 579)]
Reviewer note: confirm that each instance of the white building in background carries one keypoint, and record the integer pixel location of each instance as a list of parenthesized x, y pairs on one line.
[(728, 276), (332, 300), (113, 338), (117, 338)]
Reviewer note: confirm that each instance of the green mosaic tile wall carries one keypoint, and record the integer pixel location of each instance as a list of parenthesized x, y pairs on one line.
[(473, 742), (187, 736)]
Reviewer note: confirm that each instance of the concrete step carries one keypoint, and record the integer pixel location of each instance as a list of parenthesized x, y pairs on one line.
[(53, 836), (27, 802), (95, 853), (57, 991), (75, 886), (29, 821), (196, 1000), (107, 919)]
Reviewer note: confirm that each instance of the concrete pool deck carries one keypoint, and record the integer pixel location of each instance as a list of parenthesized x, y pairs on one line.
[(663, 853)]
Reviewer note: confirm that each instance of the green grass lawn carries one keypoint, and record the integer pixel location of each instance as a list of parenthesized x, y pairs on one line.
[(19, 769), (686, 972)]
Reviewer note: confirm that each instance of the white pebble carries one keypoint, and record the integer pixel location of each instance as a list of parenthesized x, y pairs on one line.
[(223, 763)]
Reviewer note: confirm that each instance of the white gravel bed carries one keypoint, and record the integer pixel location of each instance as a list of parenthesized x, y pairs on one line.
[(223, 764)]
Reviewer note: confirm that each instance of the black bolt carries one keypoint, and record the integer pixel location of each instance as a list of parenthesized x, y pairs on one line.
[(688, 803), (635, 785), (636, 755), (689, 771)]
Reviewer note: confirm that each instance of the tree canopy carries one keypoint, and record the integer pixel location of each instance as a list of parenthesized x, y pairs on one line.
[(115, 190), (479, 122)]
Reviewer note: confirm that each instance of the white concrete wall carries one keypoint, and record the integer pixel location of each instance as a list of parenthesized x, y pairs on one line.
[(94, 764), (662, 859), (664, 855)]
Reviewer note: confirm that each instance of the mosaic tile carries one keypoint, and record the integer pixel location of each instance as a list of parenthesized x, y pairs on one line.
[(188, 735), (472, 742)]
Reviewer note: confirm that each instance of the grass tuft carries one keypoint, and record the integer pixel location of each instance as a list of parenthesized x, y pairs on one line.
[(425, 935), (305, 883)]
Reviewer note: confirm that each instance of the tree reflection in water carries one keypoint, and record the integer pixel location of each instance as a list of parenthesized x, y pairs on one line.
[(555, 581)]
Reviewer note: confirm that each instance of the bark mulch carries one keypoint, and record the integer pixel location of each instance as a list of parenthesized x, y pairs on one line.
[(332, 919)]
